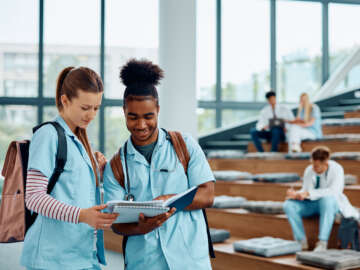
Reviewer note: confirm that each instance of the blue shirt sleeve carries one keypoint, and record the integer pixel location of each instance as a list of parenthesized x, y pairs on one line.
[(112, 188), (43, 149), (199, 171)]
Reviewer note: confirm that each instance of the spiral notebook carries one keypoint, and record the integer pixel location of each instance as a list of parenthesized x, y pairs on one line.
[(129, 211)]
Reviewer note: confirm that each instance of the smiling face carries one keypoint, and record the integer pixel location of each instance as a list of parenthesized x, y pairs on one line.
[(141, 115), (80, 110)]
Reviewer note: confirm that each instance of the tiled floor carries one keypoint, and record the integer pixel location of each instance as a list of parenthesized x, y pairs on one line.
[(10, 256)]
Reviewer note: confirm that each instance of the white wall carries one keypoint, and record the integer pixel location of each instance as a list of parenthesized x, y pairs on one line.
[(177, 57)]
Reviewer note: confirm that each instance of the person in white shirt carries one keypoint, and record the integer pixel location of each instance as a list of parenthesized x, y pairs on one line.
[(307, 124), (321, 194), (272, 124)]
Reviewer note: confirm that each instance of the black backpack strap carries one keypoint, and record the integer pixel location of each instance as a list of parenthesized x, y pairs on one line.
[(61, 154), (211, 247)]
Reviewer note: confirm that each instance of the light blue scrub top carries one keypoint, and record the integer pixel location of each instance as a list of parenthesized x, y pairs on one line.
[(316, 127), (53, 244), (181, 242)]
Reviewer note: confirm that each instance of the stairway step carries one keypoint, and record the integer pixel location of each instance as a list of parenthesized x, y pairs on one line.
[(247, 225), (272, 191), (327, 115), (355, 114), (348, 101), (233, 145), (307, 146), (275, 166), (327, 130), (242, 137), (228, 259), (341, 108)]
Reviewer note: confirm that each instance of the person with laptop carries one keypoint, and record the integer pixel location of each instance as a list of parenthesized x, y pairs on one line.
[(272, 124)]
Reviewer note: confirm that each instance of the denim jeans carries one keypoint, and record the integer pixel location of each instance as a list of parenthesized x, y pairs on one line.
[(275, 135), (325, 207)]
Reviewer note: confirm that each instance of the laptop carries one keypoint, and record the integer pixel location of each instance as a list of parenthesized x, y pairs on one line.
[(276, 122)]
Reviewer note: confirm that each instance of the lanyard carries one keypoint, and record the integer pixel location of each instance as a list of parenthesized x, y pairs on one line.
[(129, 196)]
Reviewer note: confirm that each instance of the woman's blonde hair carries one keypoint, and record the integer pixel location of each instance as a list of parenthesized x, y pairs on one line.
[(307, 107)]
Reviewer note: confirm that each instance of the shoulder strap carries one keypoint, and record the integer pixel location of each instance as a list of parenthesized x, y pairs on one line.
[(180, 148), (117, 169), (61, 155)]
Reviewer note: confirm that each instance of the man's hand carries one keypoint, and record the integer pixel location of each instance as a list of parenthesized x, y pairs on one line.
[(148, 224), (295, 195)]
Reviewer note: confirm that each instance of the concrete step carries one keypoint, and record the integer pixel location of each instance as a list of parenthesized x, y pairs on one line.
[(272, 191), (274, 166), (353, 101), (348, 108), (244, 224), (232, 145), (327, 115), (242, 137)]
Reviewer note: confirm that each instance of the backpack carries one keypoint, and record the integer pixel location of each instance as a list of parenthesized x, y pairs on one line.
[(348, 234), (183, 155), (15, 218)]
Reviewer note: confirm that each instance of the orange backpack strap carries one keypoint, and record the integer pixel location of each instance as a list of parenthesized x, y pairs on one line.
[(117, 169), (180, 148)]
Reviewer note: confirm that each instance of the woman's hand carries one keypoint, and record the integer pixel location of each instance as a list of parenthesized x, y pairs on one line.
[(93, 217)]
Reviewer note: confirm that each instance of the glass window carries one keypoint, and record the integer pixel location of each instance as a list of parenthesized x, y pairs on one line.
[(245, 49), (206, 120), (131, 32), (69, 40), (116, 131), (18, 48), (16, 123), (344, 24), (298, 49), (206, 49), (50, 112), (233, 117)]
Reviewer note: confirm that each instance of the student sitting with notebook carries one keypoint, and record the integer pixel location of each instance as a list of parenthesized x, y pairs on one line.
[(152, 170)]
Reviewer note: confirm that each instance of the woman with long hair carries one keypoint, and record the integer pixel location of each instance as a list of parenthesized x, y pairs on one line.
[(67, 233), (307, 124)]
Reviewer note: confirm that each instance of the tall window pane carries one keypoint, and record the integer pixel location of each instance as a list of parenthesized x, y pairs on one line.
[(16, 123), (245, 49), (18, 48), (71, 38), (344, 21), (298, 49), (233, 117), (115, 130), (206, 49), (131, 32), (206, 120)]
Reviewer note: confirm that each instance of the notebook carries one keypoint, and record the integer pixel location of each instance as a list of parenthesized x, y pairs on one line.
[(129, 211)]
